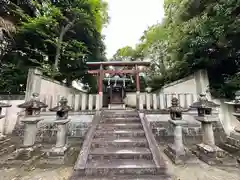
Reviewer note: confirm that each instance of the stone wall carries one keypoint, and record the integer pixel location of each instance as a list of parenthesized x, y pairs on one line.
[(12, 113), (196, 84)]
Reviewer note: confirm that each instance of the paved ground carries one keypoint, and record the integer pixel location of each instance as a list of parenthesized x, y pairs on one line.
[(201, 171)]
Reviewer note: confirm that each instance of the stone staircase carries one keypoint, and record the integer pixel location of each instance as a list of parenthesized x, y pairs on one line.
[(119, 148)]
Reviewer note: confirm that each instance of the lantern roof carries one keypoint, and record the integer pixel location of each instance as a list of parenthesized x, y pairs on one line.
[(203, 102), (62, 106), (176, 108), (33, 103), (3, 105)]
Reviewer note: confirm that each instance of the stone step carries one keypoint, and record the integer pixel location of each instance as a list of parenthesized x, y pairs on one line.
[(123, 177), (121, 115), (4, 142), (120, 142), (7, 149), (123, 167), (120, 120), (230, 148), (119, 133), (120, 153), (117, 126)]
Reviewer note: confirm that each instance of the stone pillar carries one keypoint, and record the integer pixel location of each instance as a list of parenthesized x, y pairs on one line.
[(148, 101), (97, 102), (140, 102), (3, 105), (154, 101), (90, 102), (84, 101), (161, 101), (61, 145), (77, 101), (30, 130), (207, 151)]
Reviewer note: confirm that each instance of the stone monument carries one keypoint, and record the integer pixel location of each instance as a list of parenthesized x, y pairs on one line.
[(177, 152), (207, 151), (58, 152), (3, 105), (29, 151)]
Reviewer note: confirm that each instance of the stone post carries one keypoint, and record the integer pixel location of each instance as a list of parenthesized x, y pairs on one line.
[(61, 121), (140, 102), (90, 102), (84, 101), (177, 152), (154, 100), (207, 151), (3, 105)]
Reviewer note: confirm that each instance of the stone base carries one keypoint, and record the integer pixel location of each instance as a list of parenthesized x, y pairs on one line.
[(55, 156), (215, 156), (185, 157), (116, 106), (23, 156)]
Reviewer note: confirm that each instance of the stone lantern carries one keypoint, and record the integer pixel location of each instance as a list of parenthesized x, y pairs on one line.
[(61, 121), (176, 151), (205, 116), (176, 110), (236, 104), (32, 117), (207, 151), (3, 105)]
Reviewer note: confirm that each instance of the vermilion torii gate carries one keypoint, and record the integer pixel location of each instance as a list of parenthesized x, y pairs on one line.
[(135, 70)]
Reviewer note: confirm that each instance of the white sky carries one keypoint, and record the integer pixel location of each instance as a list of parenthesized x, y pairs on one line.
[(129, 19)]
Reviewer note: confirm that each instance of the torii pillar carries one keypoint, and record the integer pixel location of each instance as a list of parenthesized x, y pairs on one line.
[(100, 86), (137, 87)]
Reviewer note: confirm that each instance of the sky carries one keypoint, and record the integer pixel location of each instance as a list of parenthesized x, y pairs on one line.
[(128, 20)]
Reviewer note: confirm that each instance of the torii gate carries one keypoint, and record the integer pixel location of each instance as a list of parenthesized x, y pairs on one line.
[(101, 72)]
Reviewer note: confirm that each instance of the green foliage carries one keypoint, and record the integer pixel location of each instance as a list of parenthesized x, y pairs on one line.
[(63, 33), (196, 35)]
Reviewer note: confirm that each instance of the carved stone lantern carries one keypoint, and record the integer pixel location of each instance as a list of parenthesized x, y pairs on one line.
[(61, 121), (33, 106), (203, 106), (207, 151), (32, 117), (62, 109), (176, 151), (176, 110), (236, 104), (205, 116), (3, 105)]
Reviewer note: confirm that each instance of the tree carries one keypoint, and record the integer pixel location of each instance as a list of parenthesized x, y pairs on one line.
[(126, 53), (196, 35), (63, 34)]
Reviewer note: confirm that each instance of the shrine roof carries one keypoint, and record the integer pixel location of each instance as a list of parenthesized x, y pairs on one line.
[(119, 63)]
